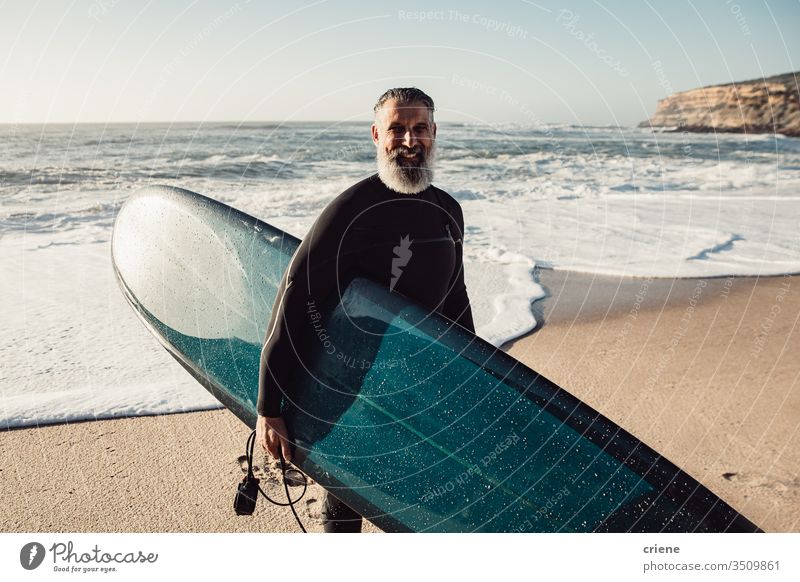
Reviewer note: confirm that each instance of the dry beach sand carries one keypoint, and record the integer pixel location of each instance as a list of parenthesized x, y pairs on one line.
[(705, 371)]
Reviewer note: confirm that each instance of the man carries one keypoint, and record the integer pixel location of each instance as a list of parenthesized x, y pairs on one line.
[(394, 228)]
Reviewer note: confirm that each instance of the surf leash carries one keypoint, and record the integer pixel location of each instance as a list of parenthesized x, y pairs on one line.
[(247, 492)]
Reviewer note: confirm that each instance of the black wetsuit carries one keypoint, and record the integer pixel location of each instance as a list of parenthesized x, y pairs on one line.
[(410, 243)]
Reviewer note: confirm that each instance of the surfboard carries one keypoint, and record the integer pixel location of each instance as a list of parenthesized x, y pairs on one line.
[(413, 421)]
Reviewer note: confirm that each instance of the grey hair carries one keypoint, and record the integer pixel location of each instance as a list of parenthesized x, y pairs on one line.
[(405, 96)]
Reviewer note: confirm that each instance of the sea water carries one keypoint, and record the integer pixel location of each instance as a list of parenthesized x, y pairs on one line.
[(607, 200)]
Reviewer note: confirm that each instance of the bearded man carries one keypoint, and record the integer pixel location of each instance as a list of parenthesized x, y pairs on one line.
[(395, 228)]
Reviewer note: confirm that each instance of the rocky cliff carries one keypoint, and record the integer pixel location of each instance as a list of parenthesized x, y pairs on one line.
[(769, 105)]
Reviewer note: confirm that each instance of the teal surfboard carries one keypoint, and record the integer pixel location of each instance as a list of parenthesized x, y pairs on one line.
[(417, 424)]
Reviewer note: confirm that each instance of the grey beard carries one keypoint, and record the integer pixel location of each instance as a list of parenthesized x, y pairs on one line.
[(406, 179)]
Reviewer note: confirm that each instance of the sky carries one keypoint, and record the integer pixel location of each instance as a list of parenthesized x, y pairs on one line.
[(578, 62)]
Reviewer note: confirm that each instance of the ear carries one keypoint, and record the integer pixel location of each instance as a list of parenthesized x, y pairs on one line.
[(374, 134), (434, 131)]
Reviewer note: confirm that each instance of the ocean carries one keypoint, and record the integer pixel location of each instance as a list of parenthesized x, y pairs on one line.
[(606, 200)]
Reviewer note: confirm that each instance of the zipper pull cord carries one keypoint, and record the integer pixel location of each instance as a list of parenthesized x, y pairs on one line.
[(447, 226)]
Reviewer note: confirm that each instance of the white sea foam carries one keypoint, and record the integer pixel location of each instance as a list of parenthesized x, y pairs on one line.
[(71, 347)]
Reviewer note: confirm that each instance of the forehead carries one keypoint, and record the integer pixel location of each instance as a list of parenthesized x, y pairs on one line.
[(406, 113)]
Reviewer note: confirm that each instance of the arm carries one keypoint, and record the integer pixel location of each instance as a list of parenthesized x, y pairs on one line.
[(311, 276), (456, 304)]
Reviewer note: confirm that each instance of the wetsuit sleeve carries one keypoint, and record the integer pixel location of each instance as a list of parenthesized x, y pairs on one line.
[(312, 275), (456, 304)]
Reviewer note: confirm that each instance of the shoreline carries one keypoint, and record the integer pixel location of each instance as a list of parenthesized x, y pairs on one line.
[(587, 296), (694, 375)]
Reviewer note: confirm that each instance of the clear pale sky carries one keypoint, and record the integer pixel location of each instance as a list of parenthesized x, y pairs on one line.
[(580, 62)]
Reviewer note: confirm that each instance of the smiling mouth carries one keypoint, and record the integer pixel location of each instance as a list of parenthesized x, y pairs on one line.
[(409, 161), (408, 155)]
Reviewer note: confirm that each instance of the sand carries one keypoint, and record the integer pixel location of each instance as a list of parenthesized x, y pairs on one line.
[(705, 371)]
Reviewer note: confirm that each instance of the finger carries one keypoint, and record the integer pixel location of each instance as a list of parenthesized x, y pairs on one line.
[(262, 440), (272, 444), (286, 448)]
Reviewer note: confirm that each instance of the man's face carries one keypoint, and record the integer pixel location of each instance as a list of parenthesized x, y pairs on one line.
[(405, 138)]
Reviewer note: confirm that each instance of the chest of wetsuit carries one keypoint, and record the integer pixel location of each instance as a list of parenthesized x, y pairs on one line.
[(405, 243), (410, 243)]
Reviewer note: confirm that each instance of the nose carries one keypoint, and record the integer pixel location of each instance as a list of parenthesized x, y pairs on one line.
[(409, 139)]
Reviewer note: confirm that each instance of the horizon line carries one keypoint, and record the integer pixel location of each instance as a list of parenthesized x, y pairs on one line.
[(285, 122)]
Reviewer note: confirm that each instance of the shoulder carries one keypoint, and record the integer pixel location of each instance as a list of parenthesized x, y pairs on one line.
[(360, 191), (356, 197), (351, 201), (450, 204)]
